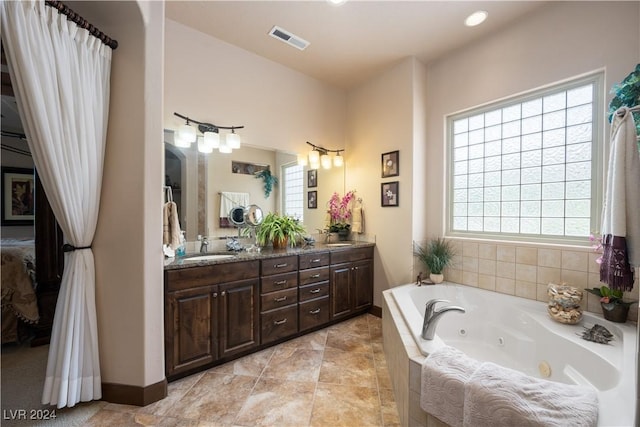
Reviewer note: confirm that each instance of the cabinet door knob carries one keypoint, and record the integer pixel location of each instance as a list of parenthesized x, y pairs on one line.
[(316, 311), (215, 295), (223, 293), (280, 322), (280, 265), (284, 298), (314, 291)]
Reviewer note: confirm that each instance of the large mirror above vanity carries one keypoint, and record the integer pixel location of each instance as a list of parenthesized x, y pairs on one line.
[(199, 180)]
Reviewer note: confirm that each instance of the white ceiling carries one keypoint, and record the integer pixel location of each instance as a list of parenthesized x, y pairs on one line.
[(351, 42)]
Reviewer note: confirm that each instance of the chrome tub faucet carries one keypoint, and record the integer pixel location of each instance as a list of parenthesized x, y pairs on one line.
[(432, 316)]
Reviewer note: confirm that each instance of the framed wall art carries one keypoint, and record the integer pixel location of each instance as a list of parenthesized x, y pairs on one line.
[(389, 193), (312, 200), (391, 164), (312, 178), (18, 193)]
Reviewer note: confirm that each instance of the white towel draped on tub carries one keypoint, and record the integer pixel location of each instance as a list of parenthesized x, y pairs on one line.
[(444, 374), (501, 397)]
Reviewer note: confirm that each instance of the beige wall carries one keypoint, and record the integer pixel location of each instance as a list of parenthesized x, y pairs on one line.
[(554, 43), (127, 245), (380, 119)]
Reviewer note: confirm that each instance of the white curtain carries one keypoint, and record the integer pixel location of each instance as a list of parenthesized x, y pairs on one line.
[(60, 76)]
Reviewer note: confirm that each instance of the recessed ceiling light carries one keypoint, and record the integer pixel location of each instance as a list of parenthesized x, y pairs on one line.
[(337, 2), (476, 18)]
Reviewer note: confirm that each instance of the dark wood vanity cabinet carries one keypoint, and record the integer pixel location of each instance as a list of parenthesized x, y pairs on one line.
[(351, 282), (211, 312), (278, 298), (217, 312), (313, 290)]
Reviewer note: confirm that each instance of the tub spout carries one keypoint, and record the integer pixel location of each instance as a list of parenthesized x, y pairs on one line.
[(432, 316)]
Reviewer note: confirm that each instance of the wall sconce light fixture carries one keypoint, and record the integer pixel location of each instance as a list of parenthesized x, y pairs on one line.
[(320, 156), (210, 138)]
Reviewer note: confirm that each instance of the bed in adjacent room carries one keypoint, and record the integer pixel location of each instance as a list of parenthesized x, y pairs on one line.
[(19, 302)]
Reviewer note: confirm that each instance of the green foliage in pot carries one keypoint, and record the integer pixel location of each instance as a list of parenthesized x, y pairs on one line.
[(609, 297), (268, 179), (279, 227), (436, 254)]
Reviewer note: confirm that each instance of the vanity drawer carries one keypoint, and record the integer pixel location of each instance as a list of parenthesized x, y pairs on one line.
[(350, 255), (314, 313), (313, 275), (279, 323), (317, 259), (315, 290), (279, 265), (278, 282), (278, 299)]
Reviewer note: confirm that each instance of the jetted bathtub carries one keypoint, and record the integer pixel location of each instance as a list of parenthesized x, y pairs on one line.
[(518, 333)]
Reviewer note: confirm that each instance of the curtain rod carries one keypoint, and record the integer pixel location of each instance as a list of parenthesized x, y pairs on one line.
[(82, 23)]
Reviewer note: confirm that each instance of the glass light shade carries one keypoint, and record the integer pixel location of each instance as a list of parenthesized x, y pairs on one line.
[(338, 160), (302, 160), (187, 134), (314, 157), (224, 147), (203, 147), (212, 139), (314, 165), (233, 140), (325, 161), (179, 142)]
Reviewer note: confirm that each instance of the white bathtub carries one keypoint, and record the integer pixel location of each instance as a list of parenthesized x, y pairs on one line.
[(519, 334)]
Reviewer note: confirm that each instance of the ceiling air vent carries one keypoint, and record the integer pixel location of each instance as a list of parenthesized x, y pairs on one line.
[(289, 38)]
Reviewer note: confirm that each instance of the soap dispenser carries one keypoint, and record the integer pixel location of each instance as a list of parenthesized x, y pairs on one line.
[(182, 247)]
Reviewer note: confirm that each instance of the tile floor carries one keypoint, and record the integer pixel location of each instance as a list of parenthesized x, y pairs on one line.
[(333, 377)]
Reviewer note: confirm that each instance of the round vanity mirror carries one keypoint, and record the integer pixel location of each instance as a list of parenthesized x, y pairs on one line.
[(236, 216), (253, 215)]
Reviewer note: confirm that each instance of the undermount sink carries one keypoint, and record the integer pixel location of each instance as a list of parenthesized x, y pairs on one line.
[(209, 257), (338, 245)]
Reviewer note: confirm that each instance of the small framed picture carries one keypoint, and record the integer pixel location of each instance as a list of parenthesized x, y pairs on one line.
[(18, 194), (391, 164), (312, 199), (312, 178), (389, 193)]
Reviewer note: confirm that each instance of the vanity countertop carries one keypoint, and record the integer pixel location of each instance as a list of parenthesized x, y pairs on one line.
[(191, 260)]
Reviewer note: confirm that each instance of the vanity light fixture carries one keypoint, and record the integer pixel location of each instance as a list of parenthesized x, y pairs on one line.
[(476, 18), (211, 136), (320, 156)]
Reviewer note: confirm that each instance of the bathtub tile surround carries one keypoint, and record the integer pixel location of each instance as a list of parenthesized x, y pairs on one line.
[(525, 270), (519, 336)]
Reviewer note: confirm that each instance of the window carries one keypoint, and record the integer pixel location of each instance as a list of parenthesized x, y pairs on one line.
[(293, 190), (527, 167)]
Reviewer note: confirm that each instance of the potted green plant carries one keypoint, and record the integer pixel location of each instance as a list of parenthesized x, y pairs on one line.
[(279, 229), (436, 255), (613, 307)]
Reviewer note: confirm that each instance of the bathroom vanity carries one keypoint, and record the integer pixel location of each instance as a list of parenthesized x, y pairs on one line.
[(219, 309)]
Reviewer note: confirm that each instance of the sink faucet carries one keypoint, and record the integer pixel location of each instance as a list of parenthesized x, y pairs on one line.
[(327, 234), (204, 245), (432, 316)]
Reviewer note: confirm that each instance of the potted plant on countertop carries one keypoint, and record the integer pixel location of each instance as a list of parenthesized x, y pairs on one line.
[(436, 255), (340, 214), (613, 306), (279, 229)]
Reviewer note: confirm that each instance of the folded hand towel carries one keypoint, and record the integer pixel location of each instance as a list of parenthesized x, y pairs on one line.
[(174, 225), (166, 232), (496, 396), (357, 220), (444, 374)]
